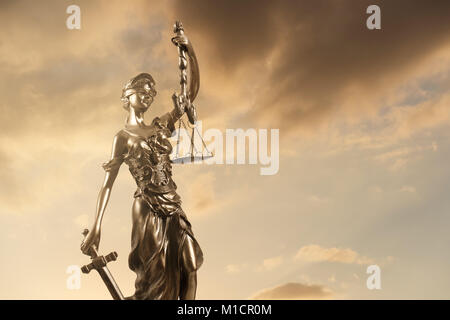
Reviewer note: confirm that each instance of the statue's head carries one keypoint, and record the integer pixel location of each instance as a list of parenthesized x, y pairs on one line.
[(139, 92)]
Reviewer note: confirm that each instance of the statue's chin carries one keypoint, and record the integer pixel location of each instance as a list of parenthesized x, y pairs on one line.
[(144, 106)]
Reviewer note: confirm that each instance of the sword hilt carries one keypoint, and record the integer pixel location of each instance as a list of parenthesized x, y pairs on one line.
[(99, 262)]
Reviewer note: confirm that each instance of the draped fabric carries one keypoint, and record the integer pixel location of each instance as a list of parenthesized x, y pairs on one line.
[(157, 241)]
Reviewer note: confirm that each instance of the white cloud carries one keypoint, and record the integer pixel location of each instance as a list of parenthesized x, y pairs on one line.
[(82, 220), (434, 146), (316, 253), (376, 189), (409, 189), (317, 199), (233, 268), (236, 268), (272, 263)]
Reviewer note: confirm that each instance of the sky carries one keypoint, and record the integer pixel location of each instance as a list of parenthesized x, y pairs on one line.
[(363, 118)]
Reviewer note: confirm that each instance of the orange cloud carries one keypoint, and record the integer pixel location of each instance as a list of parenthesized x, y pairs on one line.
[(308, 62), (316, 253), (294, 291)]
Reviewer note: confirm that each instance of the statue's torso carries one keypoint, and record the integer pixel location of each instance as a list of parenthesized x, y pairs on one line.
[(148, 159)]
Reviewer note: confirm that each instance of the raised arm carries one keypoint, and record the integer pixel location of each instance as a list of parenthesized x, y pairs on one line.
[(189, 85), (169, 119), (112, 169)]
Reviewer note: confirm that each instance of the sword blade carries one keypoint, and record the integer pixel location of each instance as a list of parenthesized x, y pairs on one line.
[(110, 283)]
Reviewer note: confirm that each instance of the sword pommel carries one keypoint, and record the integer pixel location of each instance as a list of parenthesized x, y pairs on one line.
[(178, 27)]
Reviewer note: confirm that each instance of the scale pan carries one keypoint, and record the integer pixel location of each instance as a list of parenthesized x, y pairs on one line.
[(189, 159)]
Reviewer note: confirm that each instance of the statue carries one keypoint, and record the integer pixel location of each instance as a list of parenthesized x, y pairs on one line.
[(165, 254)]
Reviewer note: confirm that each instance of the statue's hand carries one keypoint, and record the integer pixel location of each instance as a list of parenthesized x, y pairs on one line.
[(180, 40), (92, 239), (180, 103)]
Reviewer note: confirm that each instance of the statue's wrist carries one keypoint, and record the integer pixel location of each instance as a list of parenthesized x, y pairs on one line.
[(178, 112), (96, 228)]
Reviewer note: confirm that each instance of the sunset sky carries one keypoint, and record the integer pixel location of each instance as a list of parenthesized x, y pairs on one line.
[(364, 124)]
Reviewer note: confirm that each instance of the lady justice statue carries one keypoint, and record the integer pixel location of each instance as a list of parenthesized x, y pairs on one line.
[(164, 253)]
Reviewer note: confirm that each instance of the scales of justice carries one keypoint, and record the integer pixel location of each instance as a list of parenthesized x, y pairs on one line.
[(164, 252)]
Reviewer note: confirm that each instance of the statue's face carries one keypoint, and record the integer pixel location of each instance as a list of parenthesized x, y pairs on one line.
[(142, 98)]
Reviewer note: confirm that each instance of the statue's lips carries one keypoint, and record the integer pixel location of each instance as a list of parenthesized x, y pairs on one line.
[(146, 102)]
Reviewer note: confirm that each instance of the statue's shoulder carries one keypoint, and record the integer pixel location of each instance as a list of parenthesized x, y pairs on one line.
[(121, 141), (119, 152), (122, 136)]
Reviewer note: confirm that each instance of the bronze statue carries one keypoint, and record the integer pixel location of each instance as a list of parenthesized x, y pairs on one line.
[(165, 255)]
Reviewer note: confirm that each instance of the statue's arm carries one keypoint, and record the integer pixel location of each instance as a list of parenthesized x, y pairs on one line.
[(188, 90), (170, 118), (112, 169)]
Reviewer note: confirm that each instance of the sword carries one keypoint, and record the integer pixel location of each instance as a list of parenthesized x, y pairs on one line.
[(99, 264)]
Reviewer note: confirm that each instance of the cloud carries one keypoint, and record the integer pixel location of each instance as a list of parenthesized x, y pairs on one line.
[(434, 146), (397, 158), (296, 65), (285, 54), (276, 67), (235, 268), (60, 91), (201, 196), (396, 135), (294, 291), (376, 189), (394, 154), (316, 199), (268, 264), (428, 114), (409, 189), (82, 220), (271, 263), (316, 253)]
